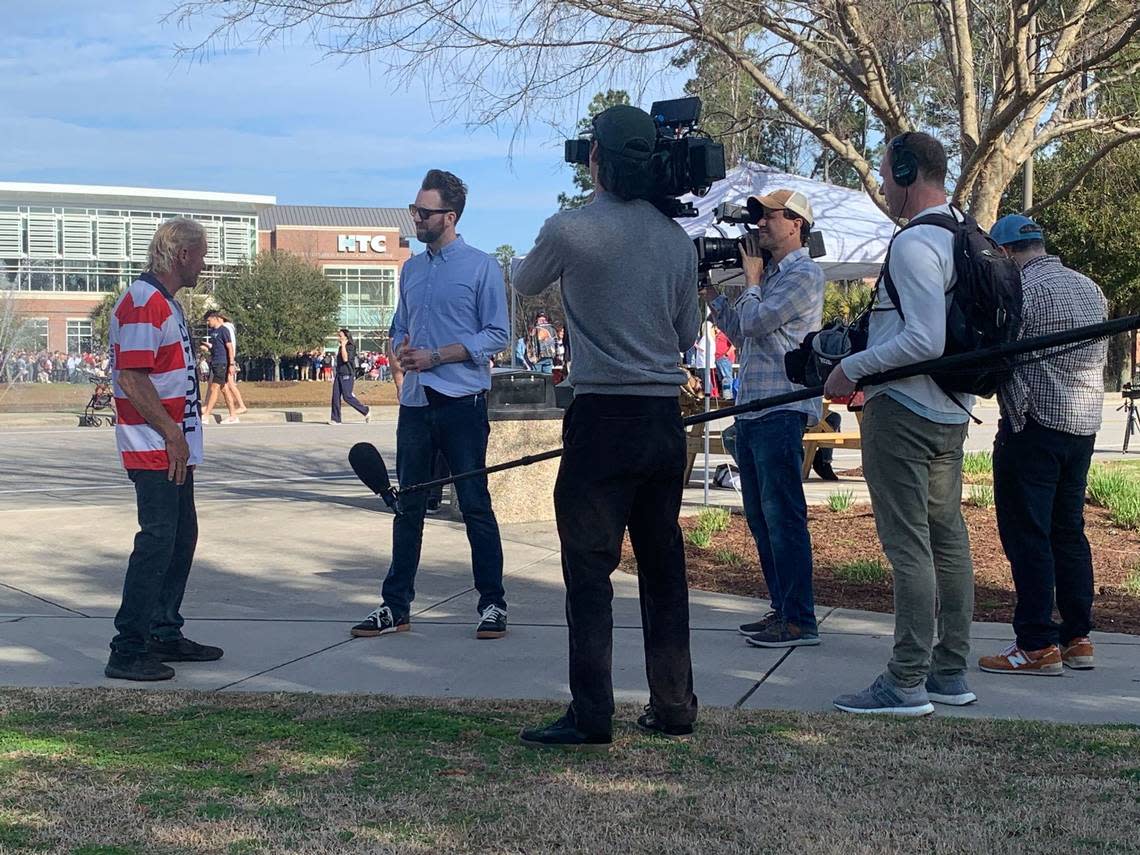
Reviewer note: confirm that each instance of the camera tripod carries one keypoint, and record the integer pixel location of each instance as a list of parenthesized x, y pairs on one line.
[(1132, 417)]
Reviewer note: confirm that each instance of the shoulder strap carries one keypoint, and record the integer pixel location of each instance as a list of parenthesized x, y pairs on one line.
[(945, 221)]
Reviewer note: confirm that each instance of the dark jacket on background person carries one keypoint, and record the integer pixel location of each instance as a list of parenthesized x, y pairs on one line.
[(346, 368)]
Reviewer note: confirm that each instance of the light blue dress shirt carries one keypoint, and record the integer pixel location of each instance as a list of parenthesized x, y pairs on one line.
[(454, 296)]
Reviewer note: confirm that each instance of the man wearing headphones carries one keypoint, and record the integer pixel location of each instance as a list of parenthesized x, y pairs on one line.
[(913, 434)]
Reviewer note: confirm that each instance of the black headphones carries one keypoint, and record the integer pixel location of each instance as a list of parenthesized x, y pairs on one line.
[(904, 164)]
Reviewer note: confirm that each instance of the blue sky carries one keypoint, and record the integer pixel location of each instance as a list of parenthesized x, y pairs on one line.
[(92, 93)]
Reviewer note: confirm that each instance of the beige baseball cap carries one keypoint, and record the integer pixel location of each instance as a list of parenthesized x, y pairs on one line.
[(789, 200)]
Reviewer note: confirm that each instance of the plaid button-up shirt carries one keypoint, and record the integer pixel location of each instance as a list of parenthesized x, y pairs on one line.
[(767, 321), (1065, 390)]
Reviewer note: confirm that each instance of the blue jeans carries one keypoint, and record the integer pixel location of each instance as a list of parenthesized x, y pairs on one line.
[(458, 427), (770, 453), (724, 373), (545, 366), (160, 563)]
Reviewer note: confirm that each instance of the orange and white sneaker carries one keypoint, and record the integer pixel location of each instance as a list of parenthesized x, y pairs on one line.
[(1013, 660), (1078, 653)]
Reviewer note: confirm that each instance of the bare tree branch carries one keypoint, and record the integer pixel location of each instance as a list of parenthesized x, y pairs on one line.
[(1077, 177), (972, 69)]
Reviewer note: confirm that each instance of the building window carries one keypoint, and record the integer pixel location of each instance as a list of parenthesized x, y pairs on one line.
[(79, 335), (34, 334), (367, 302), (88, 250)]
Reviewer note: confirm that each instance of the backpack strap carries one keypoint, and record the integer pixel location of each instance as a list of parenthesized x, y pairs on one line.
[(946, 221)]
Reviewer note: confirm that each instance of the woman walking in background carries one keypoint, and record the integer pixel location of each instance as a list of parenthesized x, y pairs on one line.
[(231, 383), (344, 377)]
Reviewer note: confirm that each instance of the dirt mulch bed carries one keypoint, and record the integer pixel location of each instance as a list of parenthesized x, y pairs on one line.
[(839, 538)]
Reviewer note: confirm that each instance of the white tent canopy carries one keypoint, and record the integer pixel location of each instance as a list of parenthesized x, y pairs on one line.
[(855, 231)]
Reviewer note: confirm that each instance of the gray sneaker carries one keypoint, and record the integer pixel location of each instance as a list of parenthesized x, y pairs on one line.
[(885, 698), (949, 689)]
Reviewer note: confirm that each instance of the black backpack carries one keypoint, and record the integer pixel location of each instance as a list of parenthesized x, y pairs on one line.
[(984, 308)]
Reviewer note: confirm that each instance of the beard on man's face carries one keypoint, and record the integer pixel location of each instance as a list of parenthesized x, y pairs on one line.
[(427, 235)]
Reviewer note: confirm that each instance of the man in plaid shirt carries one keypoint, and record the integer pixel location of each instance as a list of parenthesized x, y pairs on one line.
[(1050, 413), (782, 302)]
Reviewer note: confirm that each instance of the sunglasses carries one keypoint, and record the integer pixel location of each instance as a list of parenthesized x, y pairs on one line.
[(425, 213)]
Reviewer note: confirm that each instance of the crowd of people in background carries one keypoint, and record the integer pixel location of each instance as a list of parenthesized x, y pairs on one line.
[(542, 349), (48, 366), (316, 365), (319, 365), (722, 368)]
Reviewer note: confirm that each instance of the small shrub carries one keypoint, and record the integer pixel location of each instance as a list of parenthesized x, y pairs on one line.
[(1105, 483), (730, 559), (1132, 581), (840, 500), (863, 570), (1125, 510), (978, 463), (699, 537), (1113, 488), (981, 497), (713, 520)]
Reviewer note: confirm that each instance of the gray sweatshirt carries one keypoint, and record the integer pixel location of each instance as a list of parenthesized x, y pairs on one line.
[(629, 286)]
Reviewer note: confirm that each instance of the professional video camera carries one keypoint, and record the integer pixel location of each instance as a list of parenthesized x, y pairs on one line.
[(684, 160), (724, 252)]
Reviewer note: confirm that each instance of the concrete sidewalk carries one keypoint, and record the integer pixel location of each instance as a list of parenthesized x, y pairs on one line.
[(280, 595)]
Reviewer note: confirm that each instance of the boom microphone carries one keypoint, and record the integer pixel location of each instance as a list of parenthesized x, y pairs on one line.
[(942, 363), (369, 467)]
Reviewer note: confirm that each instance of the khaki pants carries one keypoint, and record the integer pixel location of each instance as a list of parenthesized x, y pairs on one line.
[(913, 468)]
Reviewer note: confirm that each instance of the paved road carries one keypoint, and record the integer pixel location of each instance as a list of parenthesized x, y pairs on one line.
[(290, 555)]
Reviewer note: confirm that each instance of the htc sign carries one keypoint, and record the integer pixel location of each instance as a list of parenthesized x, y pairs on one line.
[(361, 243)]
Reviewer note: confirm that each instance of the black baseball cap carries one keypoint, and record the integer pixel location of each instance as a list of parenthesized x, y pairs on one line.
[(626, 131)]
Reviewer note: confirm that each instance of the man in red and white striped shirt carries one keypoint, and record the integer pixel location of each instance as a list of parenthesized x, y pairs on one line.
[(159, 436)]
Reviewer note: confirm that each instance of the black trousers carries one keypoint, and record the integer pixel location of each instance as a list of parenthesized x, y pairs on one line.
[(622, 467), (826, 453), (160, 563), (1039, 492)]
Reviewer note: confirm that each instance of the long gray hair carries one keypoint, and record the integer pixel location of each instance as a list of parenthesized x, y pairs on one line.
[(170, 238)]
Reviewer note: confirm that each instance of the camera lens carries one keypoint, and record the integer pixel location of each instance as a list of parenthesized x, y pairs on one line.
[(717, 252)]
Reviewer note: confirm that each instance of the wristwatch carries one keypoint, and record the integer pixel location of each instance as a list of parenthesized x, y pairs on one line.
[(435, 358)]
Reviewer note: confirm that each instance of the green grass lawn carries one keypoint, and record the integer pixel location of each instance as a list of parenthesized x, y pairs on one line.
[(1132, 467), (95, 771)]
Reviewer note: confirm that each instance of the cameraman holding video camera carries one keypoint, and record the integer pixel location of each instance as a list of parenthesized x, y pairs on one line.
[(782, 302), (629, 276)]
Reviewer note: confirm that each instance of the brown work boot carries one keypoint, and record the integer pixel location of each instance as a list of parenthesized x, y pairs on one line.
[(1045, 662), (1078, 653)]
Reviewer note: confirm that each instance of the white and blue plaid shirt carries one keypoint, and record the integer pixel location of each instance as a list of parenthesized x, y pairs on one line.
[(767, 321)]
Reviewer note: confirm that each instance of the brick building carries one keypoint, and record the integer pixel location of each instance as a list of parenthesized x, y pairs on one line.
[(64, 247), (361, 249)]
